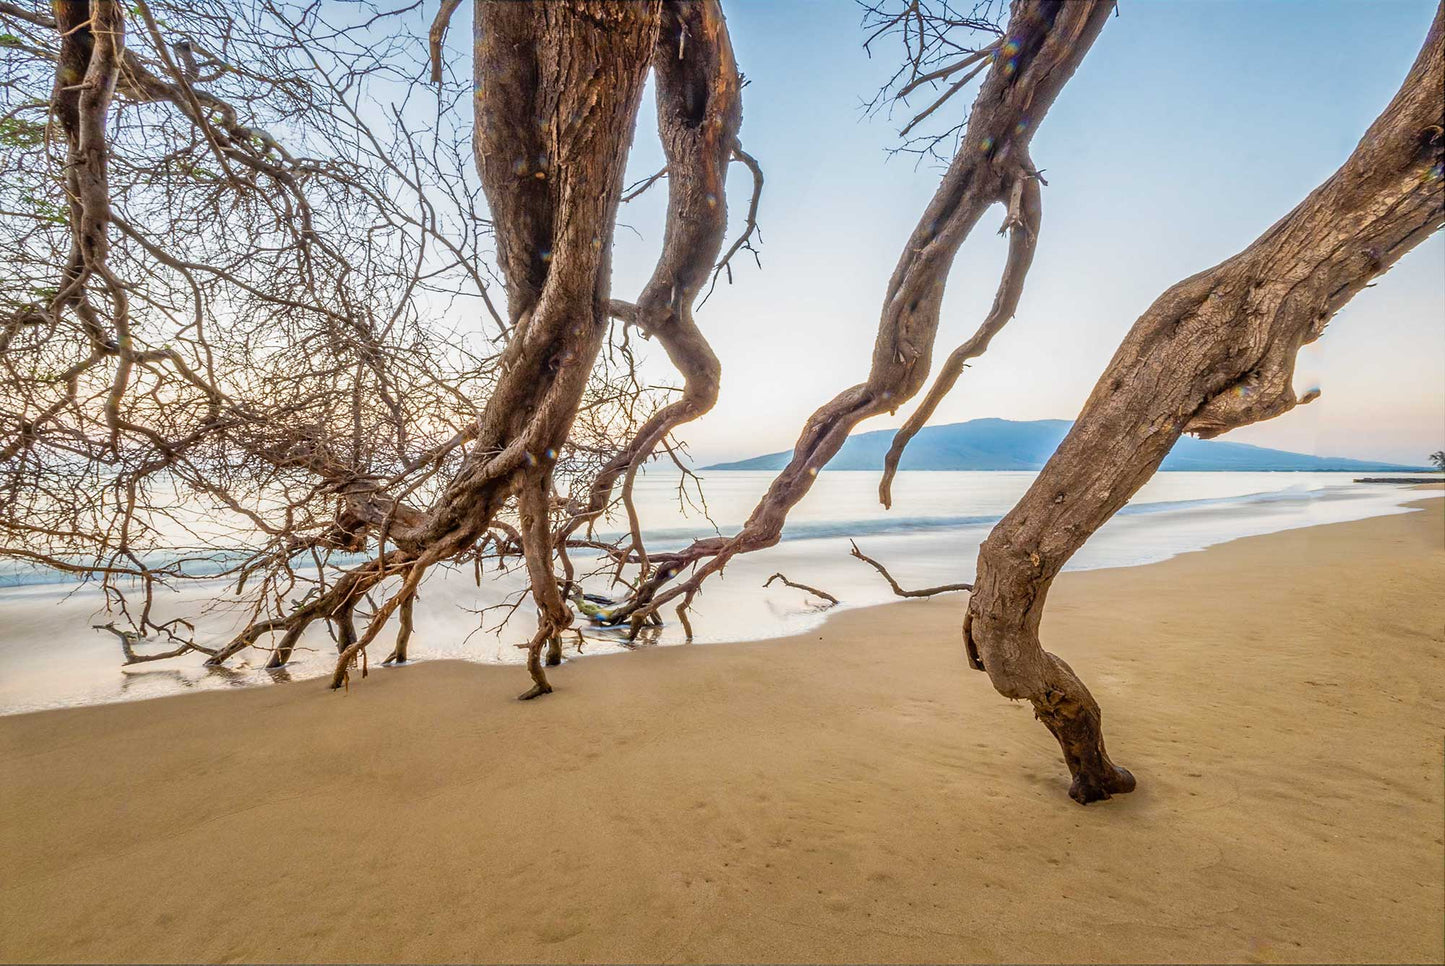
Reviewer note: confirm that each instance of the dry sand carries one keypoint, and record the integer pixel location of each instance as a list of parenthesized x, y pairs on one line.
[(856, 794)]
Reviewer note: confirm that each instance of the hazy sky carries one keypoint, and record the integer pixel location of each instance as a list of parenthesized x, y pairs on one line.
[(1191, 127)]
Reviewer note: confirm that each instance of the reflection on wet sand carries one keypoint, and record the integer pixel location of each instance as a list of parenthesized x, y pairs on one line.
[(203, 677)]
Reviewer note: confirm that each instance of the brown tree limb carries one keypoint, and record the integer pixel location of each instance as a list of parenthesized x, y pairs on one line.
[(954, 88), (436, 36), (946, 70), (128, 640), (398, 653), (92, 44), (1214, 352), (1023, 224), (556, 272), (899, 591), (1052, 39), (697, 150), (636, 189), (750, 223), (554, 188), (553, 615), (318, 447), (832, 601)]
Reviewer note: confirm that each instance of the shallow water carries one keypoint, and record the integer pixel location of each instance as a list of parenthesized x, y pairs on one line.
[(50, 656)]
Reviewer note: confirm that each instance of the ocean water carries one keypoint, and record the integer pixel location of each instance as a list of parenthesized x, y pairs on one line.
[(51, 657)]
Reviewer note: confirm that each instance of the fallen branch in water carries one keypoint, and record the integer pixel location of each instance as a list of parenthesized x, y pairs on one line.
[(128, 640), (925, 592), (803, 587)]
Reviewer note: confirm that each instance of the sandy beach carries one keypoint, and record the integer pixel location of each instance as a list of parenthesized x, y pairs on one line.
[(856, 794)]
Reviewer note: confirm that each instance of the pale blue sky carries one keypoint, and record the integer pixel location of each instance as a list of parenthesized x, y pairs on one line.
[(1190, 128)]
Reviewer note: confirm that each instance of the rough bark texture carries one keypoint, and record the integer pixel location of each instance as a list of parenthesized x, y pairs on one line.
[(897, 588), (557, 91), (699, 111), (1214, 352), (86, 71)]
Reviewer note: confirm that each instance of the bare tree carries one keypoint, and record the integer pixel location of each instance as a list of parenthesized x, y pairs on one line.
[(243, 370), (1214, 352), (224, 335)]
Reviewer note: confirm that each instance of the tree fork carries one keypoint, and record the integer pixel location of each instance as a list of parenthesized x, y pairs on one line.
[(553, 188), (898, 589), (1214, 352), (557, 91)]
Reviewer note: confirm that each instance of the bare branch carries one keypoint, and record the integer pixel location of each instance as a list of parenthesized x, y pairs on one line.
[(803, 587), (899, 591), (437, 35)]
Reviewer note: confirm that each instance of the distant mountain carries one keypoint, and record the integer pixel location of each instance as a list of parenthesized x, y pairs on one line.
[(1002, 444)]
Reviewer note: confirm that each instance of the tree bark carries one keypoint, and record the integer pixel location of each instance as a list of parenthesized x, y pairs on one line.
[(699, 111), (898, 589), (557, 88), (1214, 352), (403, 631), (92, 44), (557, 91)]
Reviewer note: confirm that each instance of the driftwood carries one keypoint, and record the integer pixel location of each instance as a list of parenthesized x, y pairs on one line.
[(823, 594), (924, 592), (129, 639)]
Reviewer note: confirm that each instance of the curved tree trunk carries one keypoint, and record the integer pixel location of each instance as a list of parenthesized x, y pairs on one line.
[(92, 46), (557, 87), (405, 624), (1214, 352), (557, 91)]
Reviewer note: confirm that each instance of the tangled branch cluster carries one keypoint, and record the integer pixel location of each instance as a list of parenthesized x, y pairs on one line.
[(246, 319)]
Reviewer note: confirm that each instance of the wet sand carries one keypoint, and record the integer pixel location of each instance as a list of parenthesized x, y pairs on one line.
[(856, 794)]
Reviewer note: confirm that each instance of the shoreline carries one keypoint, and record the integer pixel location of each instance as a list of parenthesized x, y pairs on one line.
[(77, 667), (852, 794)]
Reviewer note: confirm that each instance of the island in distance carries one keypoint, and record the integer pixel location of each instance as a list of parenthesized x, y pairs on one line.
[(1005, 444)]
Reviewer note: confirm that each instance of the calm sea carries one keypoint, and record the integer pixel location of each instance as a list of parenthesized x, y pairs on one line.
[(50, 656)]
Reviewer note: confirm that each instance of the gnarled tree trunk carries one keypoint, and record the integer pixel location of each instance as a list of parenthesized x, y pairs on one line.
[(1214, 352), (557, 87)]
